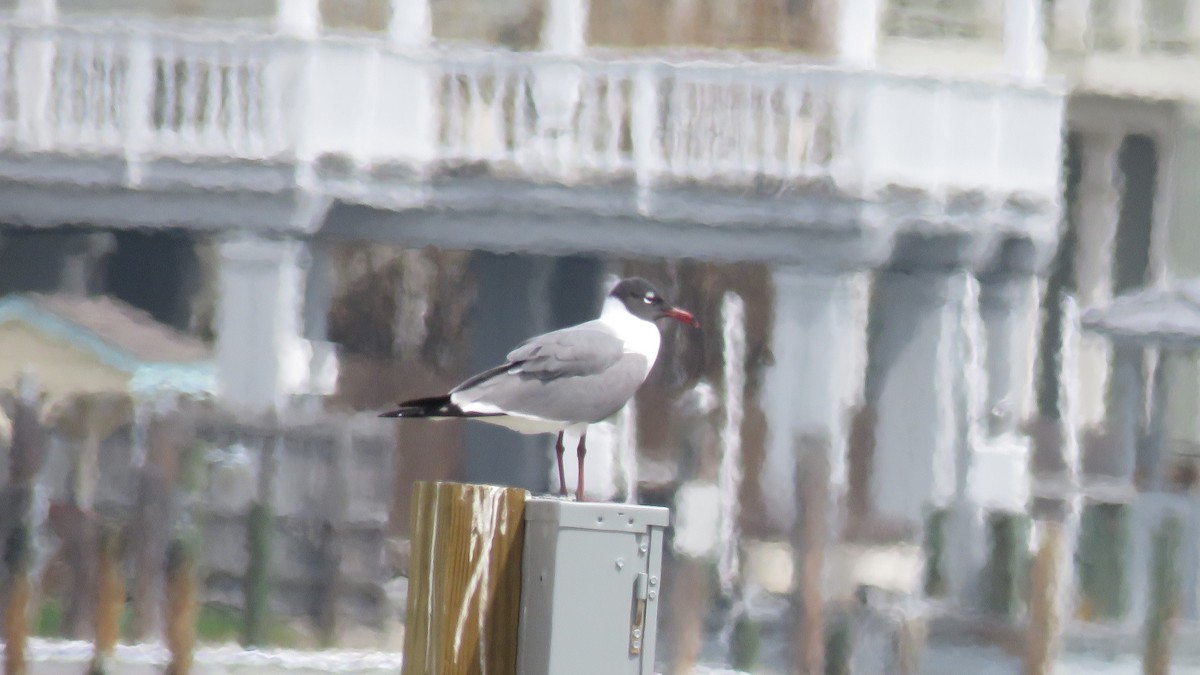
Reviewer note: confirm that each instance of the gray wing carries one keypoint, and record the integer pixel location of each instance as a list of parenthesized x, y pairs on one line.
[(577, 374), (579, 350)]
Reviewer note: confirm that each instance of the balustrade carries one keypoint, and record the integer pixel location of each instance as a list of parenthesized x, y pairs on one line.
[(144, 92)]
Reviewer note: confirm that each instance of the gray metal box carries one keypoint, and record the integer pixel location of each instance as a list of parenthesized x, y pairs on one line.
[(591, 581)]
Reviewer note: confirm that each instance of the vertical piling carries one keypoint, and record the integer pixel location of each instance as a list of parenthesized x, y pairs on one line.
[(181, 606), (1008, 559), (331, 537), (110, 597), (27, 452), (150, 529), (1159, 629), (464, 579), (1104, 533), (1045, 615), (259, 523), (812, 482)]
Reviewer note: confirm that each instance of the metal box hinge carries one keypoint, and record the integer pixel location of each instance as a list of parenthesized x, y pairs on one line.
[(637, 630)]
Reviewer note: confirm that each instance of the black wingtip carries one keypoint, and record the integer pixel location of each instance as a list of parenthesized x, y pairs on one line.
[(434, 406)]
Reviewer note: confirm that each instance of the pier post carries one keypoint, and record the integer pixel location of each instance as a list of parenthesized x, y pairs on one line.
[(464, 576)]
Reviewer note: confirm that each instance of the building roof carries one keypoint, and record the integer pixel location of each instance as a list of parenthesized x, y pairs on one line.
[(125, 327), (1168, 316), (155, 356)]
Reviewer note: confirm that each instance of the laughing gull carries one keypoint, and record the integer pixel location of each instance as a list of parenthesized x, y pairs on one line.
[(566, 379)]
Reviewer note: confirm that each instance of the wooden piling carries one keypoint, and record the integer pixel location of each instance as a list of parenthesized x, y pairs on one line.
[(464, 579), (257, 583), (27, 454), (1104, 533), (1159, 629), (1045, 616), (16, 622), (1008, 559), (809, 539), (934, 548), (181, 606), (260, 522), (110, 597), (149, 531)]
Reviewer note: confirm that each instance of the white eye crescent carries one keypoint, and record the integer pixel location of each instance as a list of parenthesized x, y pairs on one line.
[(648, 298)]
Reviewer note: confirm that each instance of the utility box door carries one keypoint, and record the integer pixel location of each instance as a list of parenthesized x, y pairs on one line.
[(591, 582)]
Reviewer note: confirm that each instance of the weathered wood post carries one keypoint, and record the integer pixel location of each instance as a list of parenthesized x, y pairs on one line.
[(1045, 615), (27, 454), (464, 579), (260, 520), (110, 596), (1007, 563), (332, 535), (812, 482), (181, 606), (149, 530), (1159, 629), (1104, 533)]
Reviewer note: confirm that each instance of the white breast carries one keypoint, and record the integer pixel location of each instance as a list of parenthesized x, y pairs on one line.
[(638, 335)]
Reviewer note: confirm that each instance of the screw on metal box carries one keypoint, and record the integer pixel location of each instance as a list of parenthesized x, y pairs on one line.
[(639, 613)]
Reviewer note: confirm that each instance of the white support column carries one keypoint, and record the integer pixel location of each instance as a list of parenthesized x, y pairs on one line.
[(1129, 23), (911, 382), (1024, 40), (83, 253), (261, 357), (411, 24), (644, 132), (999, 322), (33, 66), (1009, 311), (1191, 24), (139, 104), (298, 18), (858, 32), (564, 30), (819, 338), (292, 79), (992, 18), (37, 11), (556, 86), (1097, 212), (1072, 25), (402, 92)]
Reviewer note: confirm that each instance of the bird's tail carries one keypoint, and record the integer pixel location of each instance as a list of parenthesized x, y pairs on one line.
[(434, 406)]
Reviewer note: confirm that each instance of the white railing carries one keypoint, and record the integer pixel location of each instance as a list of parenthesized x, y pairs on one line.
[(535, 113), (695, 121), (141, 93), (1128, 26), (214, 98), (119, 91), (941, 19)]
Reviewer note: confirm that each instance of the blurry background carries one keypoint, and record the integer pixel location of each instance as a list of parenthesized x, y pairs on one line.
[(234, 231)]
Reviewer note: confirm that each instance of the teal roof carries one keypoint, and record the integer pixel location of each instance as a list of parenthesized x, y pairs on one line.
[(156, 357)]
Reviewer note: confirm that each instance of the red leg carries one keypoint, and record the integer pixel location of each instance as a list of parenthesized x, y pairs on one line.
[(580, 452), (562, 477)]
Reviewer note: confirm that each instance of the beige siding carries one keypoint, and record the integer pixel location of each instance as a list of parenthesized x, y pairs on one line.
[(61, 367), (164, 9), (751, 24)]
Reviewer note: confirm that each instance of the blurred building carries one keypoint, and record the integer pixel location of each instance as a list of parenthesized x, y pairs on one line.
[(79, 345), (925, 180)]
